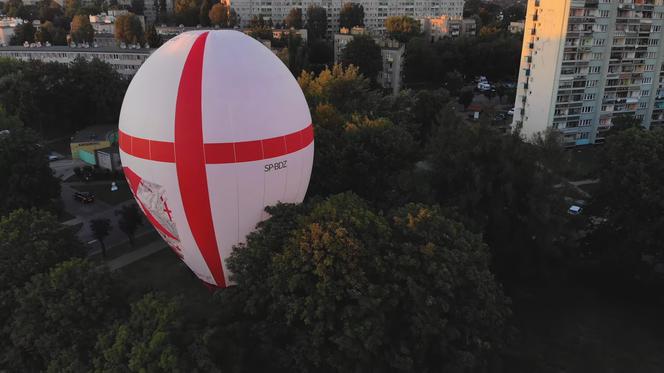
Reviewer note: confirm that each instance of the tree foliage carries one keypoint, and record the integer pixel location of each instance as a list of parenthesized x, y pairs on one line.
[(27, 180), (150, 340), (364, 53), (219, 15), (631, 199), (129, 221), (316, 22), (100, 229), (402, 28), (338, 287), (128, 29), (81, 29), (351, 15), (57, 315), (294, 18)]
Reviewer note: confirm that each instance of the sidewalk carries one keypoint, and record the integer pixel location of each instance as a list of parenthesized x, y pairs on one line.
[(136, 255)]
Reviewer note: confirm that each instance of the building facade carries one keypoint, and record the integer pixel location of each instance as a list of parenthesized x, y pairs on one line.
[(375, 11), (436, 28), (586, 61), (125, 61)]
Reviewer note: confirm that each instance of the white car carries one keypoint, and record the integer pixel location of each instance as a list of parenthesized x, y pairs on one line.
[(510, 111)]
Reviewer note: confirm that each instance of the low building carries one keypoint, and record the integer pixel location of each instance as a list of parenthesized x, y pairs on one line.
[(125, 61), (342, 38), (109, 158), (84, 142), (517, 27), (392, 55), (283, 33), (7, 26), (444, 26), (103, 23)]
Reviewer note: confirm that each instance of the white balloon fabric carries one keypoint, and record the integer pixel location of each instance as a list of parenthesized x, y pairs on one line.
[(213, 129)]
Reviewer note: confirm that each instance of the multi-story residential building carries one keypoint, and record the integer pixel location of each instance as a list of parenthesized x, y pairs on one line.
[(392, 57), (586, 61), (435, 28), (125, 61), (375, 11)]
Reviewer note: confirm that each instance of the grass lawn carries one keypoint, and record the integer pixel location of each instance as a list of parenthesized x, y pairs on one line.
[(585, 331), (103, 192), (164, 272)]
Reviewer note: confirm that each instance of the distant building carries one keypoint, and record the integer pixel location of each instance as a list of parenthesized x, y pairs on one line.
[(435, 28), (342, 38), (103, 23), (283, 33), (7, 26), (585, 62), (108, 158), (392, 56), (375, 12), (84, 142), (125, 61), (517, 27)]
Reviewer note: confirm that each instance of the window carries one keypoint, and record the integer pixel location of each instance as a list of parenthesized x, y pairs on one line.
[(645, 93), (595, 69), (585, 122), (597, 56), (591, 83), (647, 80), (589, 96), (587, 109), (604, 13), (598, 42)]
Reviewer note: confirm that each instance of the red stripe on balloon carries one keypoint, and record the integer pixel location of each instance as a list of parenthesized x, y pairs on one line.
[(225, 152), (190, 159)]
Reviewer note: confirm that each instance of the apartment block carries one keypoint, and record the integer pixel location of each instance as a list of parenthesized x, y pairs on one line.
[(375, 11), (586, 61)]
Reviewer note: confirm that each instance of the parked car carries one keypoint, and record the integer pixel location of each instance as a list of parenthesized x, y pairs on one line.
[(484, 86), (510, 112), (53, 157), (84, 197)]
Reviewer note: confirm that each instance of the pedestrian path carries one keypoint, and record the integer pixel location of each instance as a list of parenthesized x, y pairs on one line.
[(136, 255)]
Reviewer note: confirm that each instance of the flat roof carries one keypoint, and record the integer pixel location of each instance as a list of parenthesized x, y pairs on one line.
[(64, 48), (94, 133)]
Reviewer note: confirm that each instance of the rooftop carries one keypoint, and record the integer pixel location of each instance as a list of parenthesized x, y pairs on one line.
[(95, 133), (64, 48)]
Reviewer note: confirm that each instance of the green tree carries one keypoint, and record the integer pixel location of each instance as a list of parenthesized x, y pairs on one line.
[(344, 88), (152, 37), (294, 19), (187, 12), (81, 29), (58, 315), (203, 15), (499, 184), (45, 33), (27, 180), (9, 122), (629, 197), (150, 340), (100, 229), (623, 122), (48, 10), (71, 8), (22, 33), (364, 53), (128, 29), (453, 82), (316, 22), (466, 97), (129, 221), (323, 288), (402, 28), (219, 15), (137, 6), (351, 15)]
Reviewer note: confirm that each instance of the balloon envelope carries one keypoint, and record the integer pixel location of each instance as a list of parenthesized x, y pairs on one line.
[(213, 129)]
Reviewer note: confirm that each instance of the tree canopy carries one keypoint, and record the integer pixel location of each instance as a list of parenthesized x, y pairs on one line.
[(294, 18), (364, 53), (316, 22), (81, 29), (402, 28), (128, 29), (351, 15), (328, 282)]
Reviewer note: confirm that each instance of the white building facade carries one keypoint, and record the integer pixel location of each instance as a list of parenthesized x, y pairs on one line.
[(585, 61), (375, 11), (124, 61)]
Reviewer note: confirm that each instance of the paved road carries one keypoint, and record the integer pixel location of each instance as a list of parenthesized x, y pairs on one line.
[(136, 255)]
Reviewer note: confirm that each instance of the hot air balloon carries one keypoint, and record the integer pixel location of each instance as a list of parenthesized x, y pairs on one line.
[(213, 129)]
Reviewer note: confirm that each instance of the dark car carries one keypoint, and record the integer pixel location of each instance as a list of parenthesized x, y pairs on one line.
[(84, 197)]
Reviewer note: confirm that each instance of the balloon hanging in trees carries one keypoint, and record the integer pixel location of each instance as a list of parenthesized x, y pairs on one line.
[(213, 129)]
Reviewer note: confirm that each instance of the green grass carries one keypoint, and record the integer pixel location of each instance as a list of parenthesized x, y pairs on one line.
[(584, 162), (164, 272), (103, 192)]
